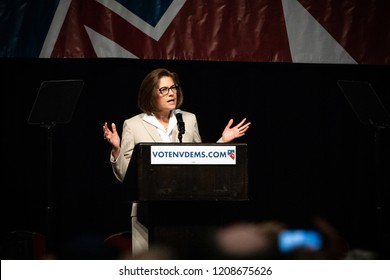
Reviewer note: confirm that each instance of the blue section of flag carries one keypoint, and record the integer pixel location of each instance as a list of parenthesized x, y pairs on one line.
[(149, 11), (24, 25)]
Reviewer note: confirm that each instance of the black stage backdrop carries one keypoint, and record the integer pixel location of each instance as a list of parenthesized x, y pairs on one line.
[(308, 153)]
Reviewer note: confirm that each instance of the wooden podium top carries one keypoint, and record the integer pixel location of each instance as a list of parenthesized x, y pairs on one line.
[(188, 171)]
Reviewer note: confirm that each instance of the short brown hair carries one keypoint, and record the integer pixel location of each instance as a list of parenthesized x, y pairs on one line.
[(147, 94)]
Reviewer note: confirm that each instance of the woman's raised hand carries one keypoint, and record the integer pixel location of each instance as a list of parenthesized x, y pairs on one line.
[(111, 135), (230, 133)]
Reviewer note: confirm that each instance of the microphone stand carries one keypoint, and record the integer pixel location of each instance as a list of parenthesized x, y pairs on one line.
[(180, 126), (180, 137)]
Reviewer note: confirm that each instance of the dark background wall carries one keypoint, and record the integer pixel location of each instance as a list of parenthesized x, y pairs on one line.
[(308, 153)]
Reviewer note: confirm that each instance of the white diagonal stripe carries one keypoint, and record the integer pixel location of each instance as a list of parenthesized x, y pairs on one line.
[(154, 32), (309, 41), (105, 47), (55, 28)]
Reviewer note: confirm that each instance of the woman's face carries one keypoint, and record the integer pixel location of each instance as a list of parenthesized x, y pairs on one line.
[(166, 94)]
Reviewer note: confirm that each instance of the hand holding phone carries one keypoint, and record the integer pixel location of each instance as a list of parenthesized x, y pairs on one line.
[(292, 239)]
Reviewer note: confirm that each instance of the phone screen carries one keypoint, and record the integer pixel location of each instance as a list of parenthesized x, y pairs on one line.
[(289, 240)]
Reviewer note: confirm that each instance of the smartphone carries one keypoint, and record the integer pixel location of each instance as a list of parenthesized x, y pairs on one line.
[(291, 239)]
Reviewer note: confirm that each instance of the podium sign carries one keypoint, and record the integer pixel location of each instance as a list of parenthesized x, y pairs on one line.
[(192, 154), (188, 171)]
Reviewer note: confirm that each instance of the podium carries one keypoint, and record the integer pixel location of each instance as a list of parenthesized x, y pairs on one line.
[(184, 190)]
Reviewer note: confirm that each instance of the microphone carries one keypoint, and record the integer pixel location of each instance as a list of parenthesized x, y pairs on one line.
[(180, 124)]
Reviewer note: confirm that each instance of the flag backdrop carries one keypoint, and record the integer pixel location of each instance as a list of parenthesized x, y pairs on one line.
[(307, 31)]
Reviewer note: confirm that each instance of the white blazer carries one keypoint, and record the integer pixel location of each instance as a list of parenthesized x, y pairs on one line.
[(137, 130)]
